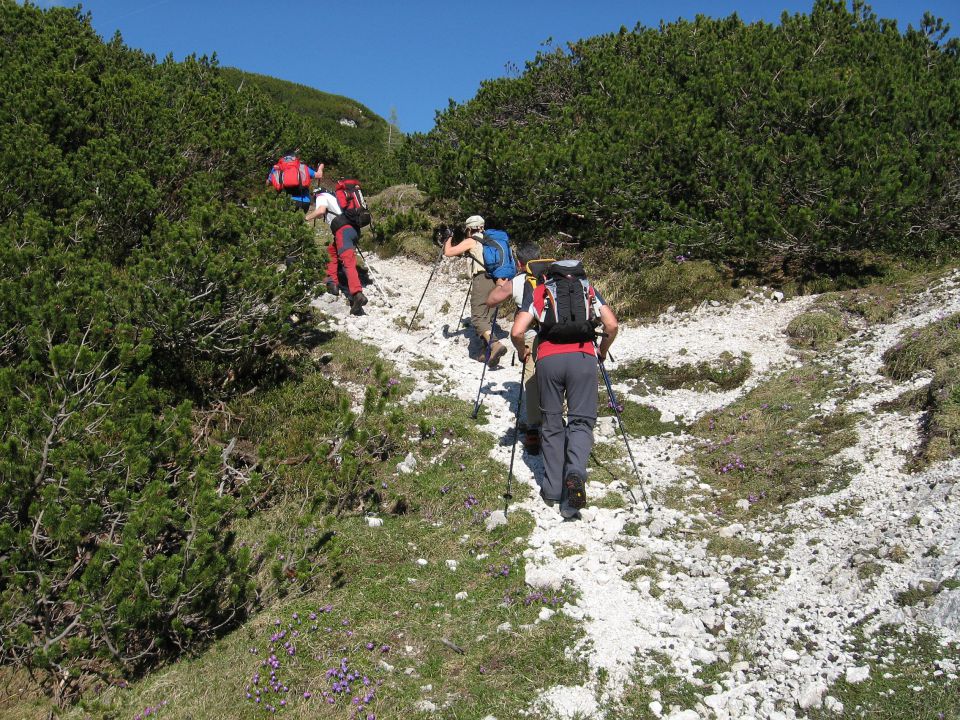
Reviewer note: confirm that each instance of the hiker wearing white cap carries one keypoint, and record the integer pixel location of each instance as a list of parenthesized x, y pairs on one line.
[(481, 284)]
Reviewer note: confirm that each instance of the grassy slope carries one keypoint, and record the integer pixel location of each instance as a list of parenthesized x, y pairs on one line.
[(370, 134)]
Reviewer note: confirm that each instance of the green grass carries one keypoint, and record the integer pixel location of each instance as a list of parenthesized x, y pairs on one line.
[(638, 290), (904, 687), (880, 300), (769, 447), (936, 349), (726, 373), (818, 330)]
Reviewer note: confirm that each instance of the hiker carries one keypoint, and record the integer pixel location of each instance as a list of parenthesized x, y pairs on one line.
[(292, 176), (530, 267), (481, 316), (567, 310), (341, 250)]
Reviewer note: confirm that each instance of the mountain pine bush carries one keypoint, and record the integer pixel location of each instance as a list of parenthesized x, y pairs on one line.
[(144, 271), (830, 134)]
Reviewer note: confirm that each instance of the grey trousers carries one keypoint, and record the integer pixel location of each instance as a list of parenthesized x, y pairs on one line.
[(566, 449)]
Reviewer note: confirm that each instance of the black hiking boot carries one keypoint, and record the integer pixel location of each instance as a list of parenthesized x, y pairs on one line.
[(576, 491), (357, 302), (333, 288), (531, 441)]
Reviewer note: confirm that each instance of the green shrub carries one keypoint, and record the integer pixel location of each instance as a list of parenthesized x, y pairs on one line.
[(142, 266)]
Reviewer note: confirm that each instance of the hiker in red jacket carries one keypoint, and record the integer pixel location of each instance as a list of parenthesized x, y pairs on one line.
[(292, 176)]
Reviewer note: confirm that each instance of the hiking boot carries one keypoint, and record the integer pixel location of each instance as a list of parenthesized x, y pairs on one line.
[(531, 441), (497, 351), (333, 288), (567, 511), (576, 491), (357, 301)]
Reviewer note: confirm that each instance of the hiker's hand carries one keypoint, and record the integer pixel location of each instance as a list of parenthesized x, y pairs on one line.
[(444, 234), (522, 353)]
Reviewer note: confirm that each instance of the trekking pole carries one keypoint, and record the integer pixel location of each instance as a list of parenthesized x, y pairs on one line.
[(486, 361), (616, 411), (424, 293), (464, 308), (373, 277), (508, 495), (473, 276)]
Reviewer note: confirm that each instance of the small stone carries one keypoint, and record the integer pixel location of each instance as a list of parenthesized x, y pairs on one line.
[(791, 655), (425, 706), (656, 708), (743, 504), (495, 520), (422, 562), (461, 595), (856, 675), (812, 695), (408, 465), (657, 527), (505, 627), (714, 303), (731, 530), (374, 521), (452, 564), (777, 296), (546, 614)]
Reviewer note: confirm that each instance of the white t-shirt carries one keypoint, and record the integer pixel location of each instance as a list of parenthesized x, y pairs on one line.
[(519, 283), (328, 200)]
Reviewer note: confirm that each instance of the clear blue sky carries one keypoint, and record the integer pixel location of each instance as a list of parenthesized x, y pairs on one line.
[(416, 55)]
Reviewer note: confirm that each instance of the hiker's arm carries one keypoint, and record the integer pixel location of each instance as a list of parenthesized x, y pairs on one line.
[(501, 292), (610, 326), (521, 323), (318, 211), (464, 246)]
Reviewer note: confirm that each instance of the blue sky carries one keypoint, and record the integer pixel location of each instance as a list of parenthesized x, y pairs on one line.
[(410, 56)]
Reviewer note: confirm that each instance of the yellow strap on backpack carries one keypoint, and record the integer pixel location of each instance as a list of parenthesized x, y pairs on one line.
[(536, 268)]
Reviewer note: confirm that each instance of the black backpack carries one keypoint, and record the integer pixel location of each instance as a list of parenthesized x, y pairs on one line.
[(568, 314)]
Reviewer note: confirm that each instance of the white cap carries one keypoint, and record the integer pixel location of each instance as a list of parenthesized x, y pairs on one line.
[(474, 222)]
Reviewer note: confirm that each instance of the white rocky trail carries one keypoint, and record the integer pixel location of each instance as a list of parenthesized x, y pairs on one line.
[(810, 594)]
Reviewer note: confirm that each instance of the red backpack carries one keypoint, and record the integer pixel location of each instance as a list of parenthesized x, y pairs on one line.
[(350, 199), (289, 173)]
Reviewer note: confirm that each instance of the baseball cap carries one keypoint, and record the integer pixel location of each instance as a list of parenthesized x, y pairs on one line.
[(474, 222)]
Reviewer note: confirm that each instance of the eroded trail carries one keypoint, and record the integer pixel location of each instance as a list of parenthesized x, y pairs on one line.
[(805, 590)]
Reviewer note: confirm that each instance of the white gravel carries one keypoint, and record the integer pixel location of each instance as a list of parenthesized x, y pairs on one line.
[(812, 596)]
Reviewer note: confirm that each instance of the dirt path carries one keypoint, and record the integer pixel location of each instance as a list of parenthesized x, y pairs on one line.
[(811, 592)]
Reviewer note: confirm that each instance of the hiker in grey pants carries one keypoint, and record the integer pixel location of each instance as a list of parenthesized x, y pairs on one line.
[(565, 371), (566, 449)]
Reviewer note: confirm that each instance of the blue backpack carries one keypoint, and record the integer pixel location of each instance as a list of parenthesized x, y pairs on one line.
[(498, 259)]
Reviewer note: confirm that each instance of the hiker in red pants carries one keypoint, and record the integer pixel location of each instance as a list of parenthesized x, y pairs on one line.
[(342, 250)]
